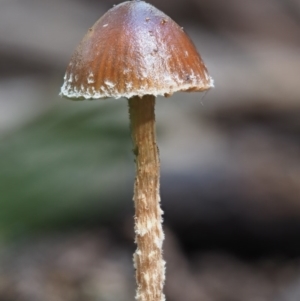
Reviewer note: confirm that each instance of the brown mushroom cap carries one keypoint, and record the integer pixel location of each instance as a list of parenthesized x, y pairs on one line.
[(134, 50)]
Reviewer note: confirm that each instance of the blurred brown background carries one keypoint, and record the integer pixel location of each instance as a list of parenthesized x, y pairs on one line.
[(230, 160)]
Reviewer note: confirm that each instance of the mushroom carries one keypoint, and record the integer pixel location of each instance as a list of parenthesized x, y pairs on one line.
[(137, 52)]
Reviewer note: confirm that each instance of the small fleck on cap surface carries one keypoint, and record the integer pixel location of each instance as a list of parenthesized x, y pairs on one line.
[(134, 50)]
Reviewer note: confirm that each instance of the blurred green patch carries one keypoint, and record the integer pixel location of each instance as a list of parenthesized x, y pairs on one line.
[(73, 163)]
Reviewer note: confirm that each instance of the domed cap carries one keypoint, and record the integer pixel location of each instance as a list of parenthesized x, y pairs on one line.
[(134, 50)]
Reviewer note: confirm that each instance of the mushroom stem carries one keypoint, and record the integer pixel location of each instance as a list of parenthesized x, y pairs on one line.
[(148, 260)]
